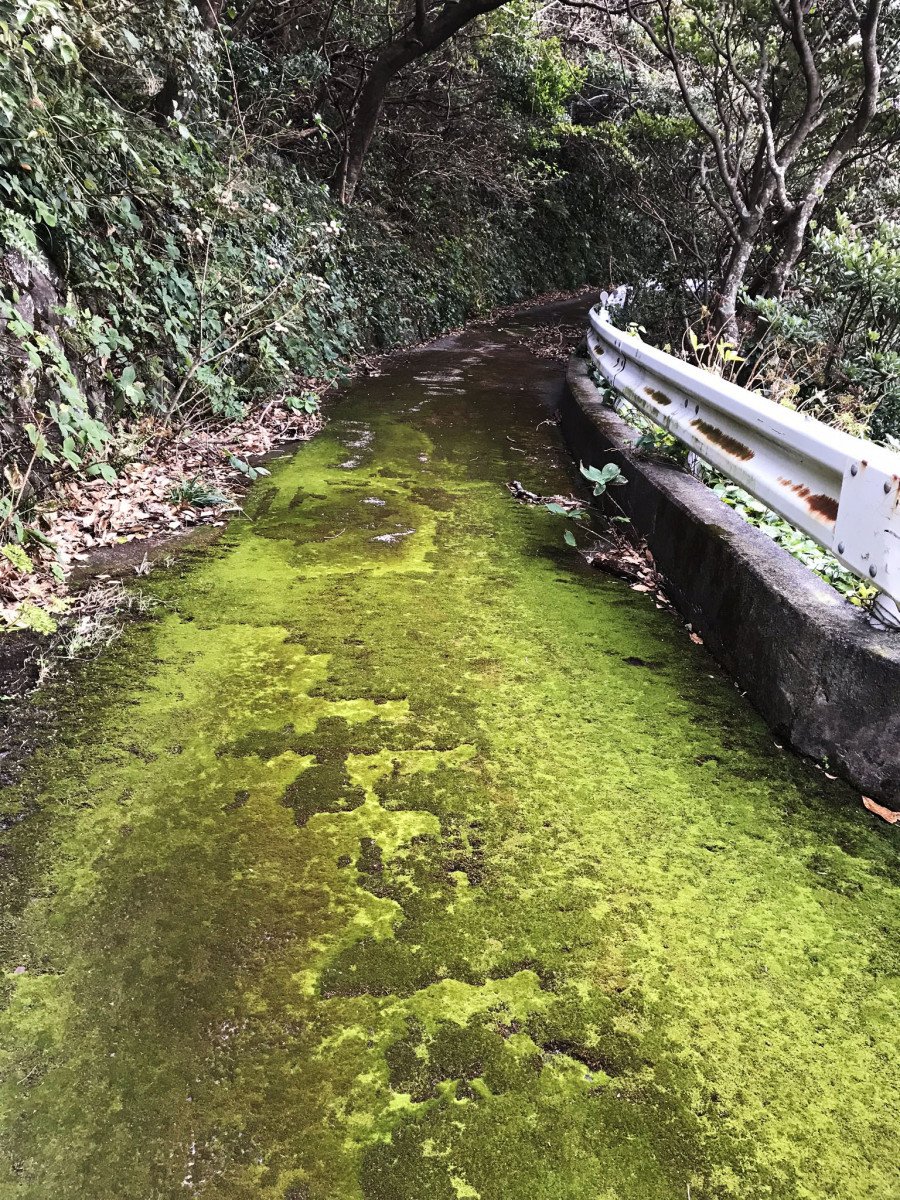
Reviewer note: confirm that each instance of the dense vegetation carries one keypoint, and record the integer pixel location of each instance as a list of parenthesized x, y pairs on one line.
[(206, 204), (184, 262)]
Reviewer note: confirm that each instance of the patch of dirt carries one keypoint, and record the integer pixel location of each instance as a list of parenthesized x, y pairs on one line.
[(19, 664)]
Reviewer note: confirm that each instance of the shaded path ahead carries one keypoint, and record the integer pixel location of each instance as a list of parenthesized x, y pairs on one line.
[(403, 857)]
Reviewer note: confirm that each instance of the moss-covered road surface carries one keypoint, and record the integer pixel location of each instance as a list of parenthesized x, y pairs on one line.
[(402, 857)]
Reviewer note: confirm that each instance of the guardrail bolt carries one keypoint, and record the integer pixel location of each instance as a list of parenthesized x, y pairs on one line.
[(854, 470), (887, 488), (840, 547), (873, 570)]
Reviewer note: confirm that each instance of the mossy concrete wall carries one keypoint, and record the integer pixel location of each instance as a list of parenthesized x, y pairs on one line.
[(826, 680)]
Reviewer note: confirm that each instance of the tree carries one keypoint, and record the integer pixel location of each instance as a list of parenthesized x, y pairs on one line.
[(784, 95), (424, 30)]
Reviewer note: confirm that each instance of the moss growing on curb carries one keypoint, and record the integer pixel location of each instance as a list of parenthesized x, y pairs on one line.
[(402, 857)]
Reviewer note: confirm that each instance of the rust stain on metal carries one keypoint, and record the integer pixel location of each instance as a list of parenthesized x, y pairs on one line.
[(724, 440), (826, 506), (658, 396), (821, 503)]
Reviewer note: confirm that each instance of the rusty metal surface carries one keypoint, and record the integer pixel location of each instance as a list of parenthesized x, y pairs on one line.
[(842, 491)]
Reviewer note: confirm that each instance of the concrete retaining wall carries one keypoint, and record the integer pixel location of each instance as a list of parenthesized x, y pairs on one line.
[(824, 678)]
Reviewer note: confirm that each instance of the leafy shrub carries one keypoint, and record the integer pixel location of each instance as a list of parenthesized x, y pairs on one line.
[(196, 264), (836, 337)]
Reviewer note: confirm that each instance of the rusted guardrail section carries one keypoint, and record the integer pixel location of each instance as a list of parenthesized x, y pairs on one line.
[(842, 491)]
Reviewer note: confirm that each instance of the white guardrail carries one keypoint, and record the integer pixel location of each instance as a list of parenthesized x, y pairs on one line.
[(842, 491)]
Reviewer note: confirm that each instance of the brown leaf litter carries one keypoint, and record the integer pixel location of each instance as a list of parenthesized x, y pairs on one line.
[(886, 814), (78, 516)]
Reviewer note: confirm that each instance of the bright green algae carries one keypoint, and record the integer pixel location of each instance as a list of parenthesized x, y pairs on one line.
[(436, 868)]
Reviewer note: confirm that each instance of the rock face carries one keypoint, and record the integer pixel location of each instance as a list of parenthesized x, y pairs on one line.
[(34, 286), (38, 285), (825, 679)]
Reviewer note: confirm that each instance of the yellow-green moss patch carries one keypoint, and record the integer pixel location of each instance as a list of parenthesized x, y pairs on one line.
[(381, 866)]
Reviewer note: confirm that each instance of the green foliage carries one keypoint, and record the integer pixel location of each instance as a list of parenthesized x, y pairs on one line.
[(251, 473), (804, 549), (658, 443), (603, 477), (197, 493), (18, 557), (200, 265), (306, 402), (34, 618), (196, 270), (837, 334)]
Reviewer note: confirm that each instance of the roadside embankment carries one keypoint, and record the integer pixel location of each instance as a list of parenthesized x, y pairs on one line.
[(824, 678)]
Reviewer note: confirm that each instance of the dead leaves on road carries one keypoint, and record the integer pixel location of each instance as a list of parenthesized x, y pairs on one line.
[(886, 814), (80, 515)]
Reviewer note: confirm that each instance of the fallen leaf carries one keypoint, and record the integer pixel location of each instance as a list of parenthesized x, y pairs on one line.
[(886, 814)]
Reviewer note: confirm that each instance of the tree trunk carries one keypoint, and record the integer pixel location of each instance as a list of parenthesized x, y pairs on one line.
[(210, 12), (166, 99), (725, 311), (791, 248), (419, 39), (365, 122), (844, 143), (798, 222)]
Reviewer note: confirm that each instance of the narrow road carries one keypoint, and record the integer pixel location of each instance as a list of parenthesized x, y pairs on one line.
[(403, 857)]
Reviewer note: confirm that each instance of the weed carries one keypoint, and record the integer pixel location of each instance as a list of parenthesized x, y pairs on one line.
[(197, 494), (99, 618)]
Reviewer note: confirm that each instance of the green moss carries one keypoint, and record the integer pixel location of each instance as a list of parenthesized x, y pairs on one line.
[(439, 866)]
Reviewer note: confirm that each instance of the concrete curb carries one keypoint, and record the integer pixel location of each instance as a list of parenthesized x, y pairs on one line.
[(822, 676)]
